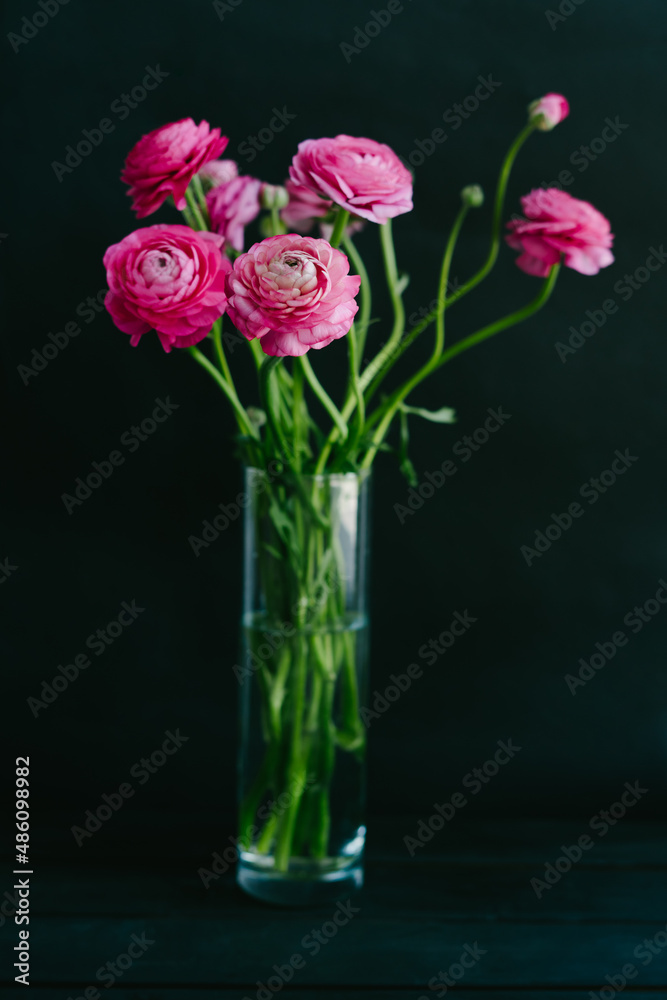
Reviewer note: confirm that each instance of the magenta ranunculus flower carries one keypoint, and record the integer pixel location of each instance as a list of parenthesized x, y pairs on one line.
[(219, 172), (232, 206), (549, 111), (558, 224), (361, 175), (293, 292), (170, 279), (165, 161)]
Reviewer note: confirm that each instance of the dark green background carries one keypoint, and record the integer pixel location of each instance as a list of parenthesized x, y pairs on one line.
[(172, 668)]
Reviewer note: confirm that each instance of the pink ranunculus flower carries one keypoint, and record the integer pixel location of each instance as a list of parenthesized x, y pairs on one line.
[(293, 293), (170, 279), (164, 162), (558, 224), (549, 111), (232, 206), (361, 175), (305, 207), (219, 172)]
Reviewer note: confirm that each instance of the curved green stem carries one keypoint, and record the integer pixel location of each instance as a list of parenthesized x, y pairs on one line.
[(365, 307), (393, 403), (219, 350), (342, 218), (380, 370), (323, 396), (244, 422), (502, 324), (499, 201), (195, 209)]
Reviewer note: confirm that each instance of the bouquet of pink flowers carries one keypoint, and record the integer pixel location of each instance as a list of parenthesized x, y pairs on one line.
[(295, 291)]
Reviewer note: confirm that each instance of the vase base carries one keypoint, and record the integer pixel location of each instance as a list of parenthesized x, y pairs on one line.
[(286, 889)]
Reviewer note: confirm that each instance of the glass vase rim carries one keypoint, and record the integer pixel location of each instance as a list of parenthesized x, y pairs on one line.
[(329, 477)]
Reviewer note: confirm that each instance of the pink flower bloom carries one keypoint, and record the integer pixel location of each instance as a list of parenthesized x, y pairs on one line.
[(294, 293), (170, 279), (165, 161), (361, 175), (219, 172), (232, 206), (559, 224), (549, 111), (304, 207)]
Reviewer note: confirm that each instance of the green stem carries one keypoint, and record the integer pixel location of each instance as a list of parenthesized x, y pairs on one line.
[(195, 209), (438, 346), (502, 324), (499, 201), (365, 307), (219, 350), (512, 319), (379, 371), (242, 418), (339, 226), (201, 198), (391, 272), (323, 396)]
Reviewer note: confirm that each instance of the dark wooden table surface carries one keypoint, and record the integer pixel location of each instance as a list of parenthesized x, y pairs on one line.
[(468, 891)]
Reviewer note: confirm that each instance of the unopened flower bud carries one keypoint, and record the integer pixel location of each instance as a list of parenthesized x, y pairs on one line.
[(472, 196), (546, 113), (274, 196)]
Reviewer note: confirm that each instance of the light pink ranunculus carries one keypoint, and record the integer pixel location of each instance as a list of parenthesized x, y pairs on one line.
[(219, 172), (164, 162), (293, 293), (558, 224), (170, 279), (361, 175), (549, 111), (305, 207), (232, 206)]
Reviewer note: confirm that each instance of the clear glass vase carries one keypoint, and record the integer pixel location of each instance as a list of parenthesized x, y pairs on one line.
[(303, 674)]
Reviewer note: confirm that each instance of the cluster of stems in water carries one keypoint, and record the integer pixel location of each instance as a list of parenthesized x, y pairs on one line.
[(307, 682)]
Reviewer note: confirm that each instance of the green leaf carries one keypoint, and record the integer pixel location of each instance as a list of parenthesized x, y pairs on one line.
[(405, 465), (443, 416)]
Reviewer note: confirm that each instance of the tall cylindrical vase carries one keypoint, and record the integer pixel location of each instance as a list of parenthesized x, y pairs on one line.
[(303, 673)]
